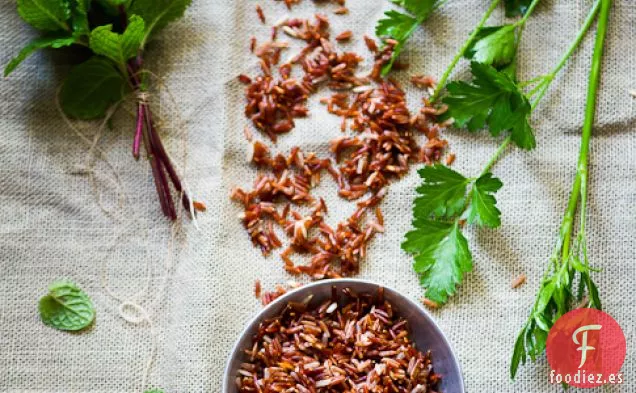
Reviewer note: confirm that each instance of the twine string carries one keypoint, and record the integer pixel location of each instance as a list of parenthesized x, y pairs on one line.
[(131, 307)]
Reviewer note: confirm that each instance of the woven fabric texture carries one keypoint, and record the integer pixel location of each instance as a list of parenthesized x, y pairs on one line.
[(197, 284)]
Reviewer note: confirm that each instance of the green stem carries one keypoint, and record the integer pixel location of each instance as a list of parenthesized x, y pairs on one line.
[(529, 11), (531, 81), (495, 157), (575, 44), (579, 189), (458, 56)]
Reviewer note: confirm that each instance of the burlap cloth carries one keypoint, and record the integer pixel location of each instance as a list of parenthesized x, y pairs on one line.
[(51, 226)]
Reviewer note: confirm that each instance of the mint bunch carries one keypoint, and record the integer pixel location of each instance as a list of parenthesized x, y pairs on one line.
[(115, 32)]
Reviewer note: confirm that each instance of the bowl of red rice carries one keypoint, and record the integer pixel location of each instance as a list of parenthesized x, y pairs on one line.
[(343, 335)]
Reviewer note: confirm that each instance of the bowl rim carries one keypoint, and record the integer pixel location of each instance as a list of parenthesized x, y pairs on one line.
[(254, 321)]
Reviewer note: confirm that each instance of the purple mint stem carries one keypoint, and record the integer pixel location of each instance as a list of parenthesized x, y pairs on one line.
[(139, 132), (155, 140), (156, 171), (161, 166), (157, 155)]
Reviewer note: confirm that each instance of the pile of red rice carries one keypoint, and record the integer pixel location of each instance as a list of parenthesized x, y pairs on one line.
[(355, 344), (377, 146)]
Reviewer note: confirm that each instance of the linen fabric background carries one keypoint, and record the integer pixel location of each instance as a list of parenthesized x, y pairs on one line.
[(197, 285)]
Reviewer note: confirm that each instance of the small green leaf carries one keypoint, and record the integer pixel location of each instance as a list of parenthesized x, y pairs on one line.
[(595, 300), (542, 322), (66, 307), (399, 26), (516, 7), (518, 354), (545, 295), (92, 87), (158, 13), (419, 8), (442, 192), (115, 3), (33, 46), (483, 210), (79, 17), (118, 47), (495, 45), (441, 256), (46, 15), (395, 25), (154, 391)]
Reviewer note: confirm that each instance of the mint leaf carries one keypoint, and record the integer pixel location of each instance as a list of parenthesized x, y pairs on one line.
[(482, 209), (118, 47), (33, 46), (158, 13), (491, 99), (46, 15), (441, 255), (66, 307), (79, 17), (115, 3), (91, 88), (516, 7), (442, 192), (493, 45)]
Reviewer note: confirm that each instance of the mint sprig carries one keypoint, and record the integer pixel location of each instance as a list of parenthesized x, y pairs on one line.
[(116, 33)]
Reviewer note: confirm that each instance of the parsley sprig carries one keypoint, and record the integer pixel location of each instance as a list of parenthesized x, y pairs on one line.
[(493, 100), (556, 294), (116, 33), (399, 26)]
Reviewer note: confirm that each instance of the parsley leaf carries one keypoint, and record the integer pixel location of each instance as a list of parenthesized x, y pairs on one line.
[(66, 307), (118, 47), (91, 88), (493, 45), (492, 99), (396, 25), (399, 26), (441, 256), (33, 46), (46, 15), (516, 7), (482, 209), (417, 7), (442, 192), (158, 13)]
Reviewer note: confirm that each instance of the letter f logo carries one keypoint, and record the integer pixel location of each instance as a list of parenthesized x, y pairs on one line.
[(584, 347)]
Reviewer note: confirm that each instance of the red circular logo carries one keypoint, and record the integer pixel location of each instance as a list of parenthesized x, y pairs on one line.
[(586, 348)]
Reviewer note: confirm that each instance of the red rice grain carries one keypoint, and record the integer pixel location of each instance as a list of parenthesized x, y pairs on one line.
[(519, 281), (257, 288), (261, 15), (344, 36)]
